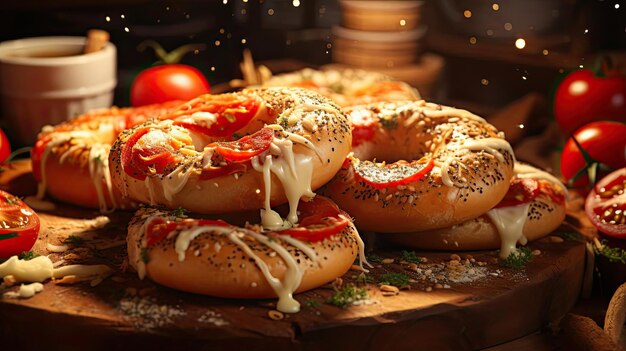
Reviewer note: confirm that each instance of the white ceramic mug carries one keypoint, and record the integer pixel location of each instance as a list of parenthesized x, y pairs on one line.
[(48, 80)]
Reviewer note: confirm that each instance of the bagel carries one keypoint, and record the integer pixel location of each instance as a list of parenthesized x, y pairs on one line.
[(235, 152), (347, 86), (213, 257), (70, 160), (419, 166), (533, 207)]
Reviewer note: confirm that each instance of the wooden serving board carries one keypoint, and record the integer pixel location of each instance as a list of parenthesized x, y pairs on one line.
[(495, 305)]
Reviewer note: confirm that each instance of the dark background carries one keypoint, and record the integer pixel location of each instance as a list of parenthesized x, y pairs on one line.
[(303, 33)]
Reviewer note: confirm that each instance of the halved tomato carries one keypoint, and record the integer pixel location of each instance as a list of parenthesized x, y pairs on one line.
[(606, 204), (19, 226)]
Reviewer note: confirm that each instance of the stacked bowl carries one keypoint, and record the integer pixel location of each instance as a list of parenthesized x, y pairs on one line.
[(386, 36)]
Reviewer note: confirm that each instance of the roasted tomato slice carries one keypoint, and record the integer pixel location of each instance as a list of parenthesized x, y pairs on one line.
[(382, 176), (245, 148), (320, 218), (19, 226), (216, 115), (364, 125), (521, 191), (148, 151), (606, 204), (159, 228)]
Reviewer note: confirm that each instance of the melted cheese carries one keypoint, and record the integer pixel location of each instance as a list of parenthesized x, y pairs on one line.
[(36, 270), (26, 291), (294, 171), (95, 273), (293, 277), (174, 182), (98, 160), (510, 224), (99, 172)]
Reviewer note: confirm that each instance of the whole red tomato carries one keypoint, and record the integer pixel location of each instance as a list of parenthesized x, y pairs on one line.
[(582, 97), (606, 204), (167, 82), (5, 147), (605, 144), (19, 226)]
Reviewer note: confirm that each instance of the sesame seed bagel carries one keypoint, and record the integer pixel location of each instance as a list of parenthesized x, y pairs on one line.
[(213, 257), (70, 161), (511, 222), (347, 86), (234, 152), (419, 166)]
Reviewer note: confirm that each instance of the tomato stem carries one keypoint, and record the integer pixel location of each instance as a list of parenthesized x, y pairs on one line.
[(591, 167), (173, 56)]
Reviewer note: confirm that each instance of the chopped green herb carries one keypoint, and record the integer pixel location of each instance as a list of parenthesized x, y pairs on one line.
[(519, 258), (390, 122), (74, 240), (411, 256), (27, 255), (8, 236), (399, 280), (373, 258), (98, 158), (311, 303), (572, 236), (614, 254), (12, 200), (145, 258), (179, 212), (347, 296), (363, 278)]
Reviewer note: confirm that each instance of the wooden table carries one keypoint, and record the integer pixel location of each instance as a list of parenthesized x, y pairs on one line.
[(503, 305)]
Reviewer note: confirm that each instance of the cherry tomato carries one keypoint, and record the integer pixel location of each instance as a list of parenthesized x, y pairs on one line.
[(5, 147), (167, 82), (603, 141), (19, 226), (606, 204), (582, 98)]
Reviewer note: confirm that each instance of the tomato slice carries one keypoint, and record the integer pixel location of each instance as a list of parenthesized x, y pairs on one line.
[(390, 175), (19, 226), (320, 218), (159, 228), (230, 113), (521, 191), (245, 148), (35, 156), (606, 204), (152, 153), (363, 125)]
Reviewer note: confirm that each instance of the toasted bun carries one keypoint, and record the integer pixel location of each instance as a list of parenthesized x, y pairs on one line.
[(228, 261), (466, 165), (315, 129), (70, 160), (542, 215)]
